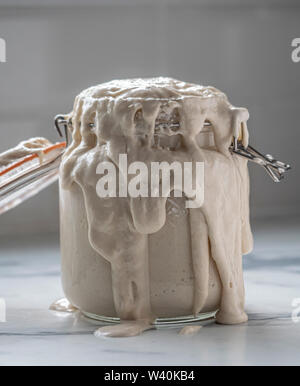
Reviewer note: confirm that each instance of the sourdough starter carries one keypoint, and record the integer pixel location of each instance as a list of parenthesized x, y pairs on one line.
[(139, 259)]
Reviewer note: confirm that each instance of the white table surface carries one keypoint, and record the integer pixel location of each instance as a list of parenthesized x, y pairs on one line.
[(32, 335)]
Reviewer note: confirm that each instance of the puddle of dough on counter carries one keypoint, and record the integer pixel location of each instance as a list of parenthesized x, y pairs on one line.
[(63, 305), (190, 330), (124, 329), (138, 117)]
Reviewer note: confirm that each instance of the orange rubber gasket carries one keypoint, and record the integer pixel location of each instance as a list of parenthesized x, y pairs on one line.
[(32, 157)]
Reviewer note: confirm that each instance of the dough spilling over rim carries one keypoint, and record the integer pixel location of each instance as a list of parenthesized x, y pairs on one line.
[(161, 88), (35, 149)]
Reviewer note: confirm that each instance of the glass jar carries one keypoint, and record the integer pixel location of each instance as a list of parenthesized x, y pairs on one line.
[(87, 279), (136, 259)]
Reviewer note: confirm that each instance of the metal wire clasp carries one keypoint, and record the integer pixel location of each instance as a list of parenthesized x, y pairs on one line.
[(60, 120), (274, 168)]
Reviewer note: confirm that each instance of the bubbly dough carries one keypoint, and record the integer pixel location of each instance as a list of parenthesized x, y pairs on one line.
[(135, 117)]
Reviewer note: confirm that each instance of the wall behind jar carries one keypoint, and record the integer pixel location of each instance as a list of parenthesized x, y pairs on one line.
[(57, 48)]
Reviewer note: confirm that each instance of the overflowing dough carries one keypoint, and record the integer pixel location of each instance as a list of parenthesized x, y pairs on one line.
[(24, 149), (162, 119)]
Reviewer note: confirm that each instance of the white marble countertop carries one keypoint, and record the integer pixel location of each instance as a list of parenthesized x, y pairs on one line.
[(32, 335)]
